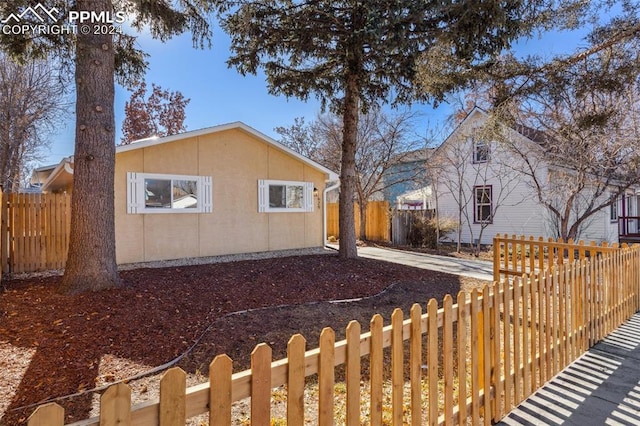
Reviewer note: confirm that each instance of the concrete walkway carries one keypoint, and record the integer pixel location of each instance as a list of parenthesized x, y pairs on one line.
[(451, 265), (602, 387)]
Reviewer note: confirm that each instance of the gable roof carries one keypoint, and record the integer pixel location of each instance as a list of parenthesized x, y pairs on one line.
[(63, 171), (536, 136), (237, 125)]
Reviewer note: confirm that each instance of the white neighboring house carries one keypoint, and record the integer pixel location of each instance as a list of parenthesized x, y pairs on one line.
[(477, 183)]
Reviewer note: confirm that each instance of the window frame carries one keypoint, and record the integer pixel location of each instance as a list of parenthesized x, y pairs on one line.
[(136, 197), (477, 144), (613, 211), (263, 196), (476, 205)]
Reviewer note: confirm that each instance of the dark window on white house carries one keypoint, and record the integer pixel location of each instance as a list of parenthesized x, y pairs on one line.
[(481, 151), (483, 204)]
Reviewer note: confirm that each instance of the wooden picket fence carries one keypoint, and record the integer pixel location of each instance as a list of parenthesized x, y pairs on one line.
[(34, 232), (377, 227), (468, 362), (514, 256)]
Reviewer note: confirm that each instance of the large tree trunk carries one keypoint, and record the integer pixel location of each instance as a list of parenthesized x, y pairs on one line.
[(363, 219), (348, 248), (91, 263)]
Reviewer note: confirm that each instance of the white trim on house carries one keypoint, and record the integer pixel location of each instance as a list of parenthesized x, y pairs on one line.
[(144, 143)]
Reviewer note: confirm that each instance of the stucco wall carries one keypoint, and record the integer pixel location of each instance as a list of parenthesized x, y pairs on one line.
[(235, 160)]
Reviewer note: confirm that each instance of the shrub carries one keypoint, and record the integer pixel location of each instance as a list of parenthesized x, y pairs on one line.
[(423, 232)]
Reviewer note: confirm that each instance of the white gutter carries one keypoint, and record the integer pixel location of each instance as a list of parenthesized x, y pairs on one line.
[(324, 210)]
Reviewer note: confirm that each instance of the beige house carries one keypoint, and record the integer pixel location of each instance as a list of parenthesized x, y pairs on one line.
[(221, 190)]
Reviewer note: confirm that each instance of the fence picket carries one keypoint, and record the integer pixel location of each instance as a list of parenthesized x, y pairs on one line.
[(475, 359), (548, 325), (496, 383), (375, 370), (47, 415), (447, 357), (220, 371), (486, 349), (295, 379), (326, 377), (526, 328), (517, 343), (508, 352), (173, 386), (353, 371), (397, 367), (461, 345), (432, 359), (415, 364), (115, 406), (261, 385)]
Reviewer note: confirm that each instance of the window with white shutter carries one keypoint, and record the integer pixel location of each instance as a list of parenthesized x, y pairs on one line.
[(160, 193), (279, 196)]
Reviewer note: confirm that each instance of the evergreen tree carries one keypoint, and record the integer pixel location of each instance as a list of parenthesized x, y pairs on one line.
[(354, 54), (99, 56)]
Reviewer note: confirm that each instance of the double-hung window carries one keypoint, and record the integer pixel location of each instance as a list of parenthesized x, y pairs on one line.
[(160, 193), (279, 196), (613, 211), (483, 204), (481, 151)]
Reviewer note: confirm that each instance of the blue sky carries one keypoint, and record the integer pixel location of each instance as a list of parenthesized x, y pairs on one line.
[(221, 95)]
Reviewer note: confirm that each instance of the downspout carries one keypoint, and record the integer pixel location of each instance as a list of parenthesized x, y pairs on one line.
[(324, 211)]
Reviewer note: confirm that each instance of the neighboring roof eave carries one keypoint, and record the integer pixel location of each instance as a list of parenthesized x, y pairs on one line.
[(63, 167), (149, 142)]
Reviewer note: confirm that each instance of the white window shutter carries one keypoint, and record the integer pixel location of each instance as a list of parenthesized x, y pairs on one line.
[(135, 193), (308, 196), (263, 196), (206, 194)]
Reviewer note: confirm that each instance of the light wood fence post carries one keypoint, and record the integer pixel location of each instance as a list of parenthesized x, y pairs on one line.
[(416, 364), (295, 380), (173, 387), (220, 371), (326, 377), (115, 406), (261, 385), (375, 370), (353, 371)]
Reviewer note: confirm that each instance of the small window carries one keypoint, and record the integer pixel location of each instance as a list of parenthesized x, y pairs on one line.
[(483, 204), (285, 196), (613, 211), (480, 151), (157, 193)]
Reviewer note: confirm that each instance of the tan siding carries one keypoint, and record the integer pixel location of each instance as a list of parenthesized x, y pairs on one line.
[(129, 227), (236, 161)]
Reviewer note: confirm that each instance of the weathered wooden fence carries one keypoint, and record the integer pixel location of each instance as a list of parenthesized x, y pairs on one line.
[(515, 256), (403, 223), (483, 355), (34, 232), (377, 227)]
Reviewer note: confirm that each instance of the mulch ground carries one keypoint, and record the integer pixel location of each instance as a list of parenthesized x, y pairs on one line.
[(53, 345)]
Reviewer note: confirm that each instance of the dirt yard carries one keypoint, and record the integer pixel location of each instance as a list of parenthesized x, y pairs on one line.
[(52, 346)]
